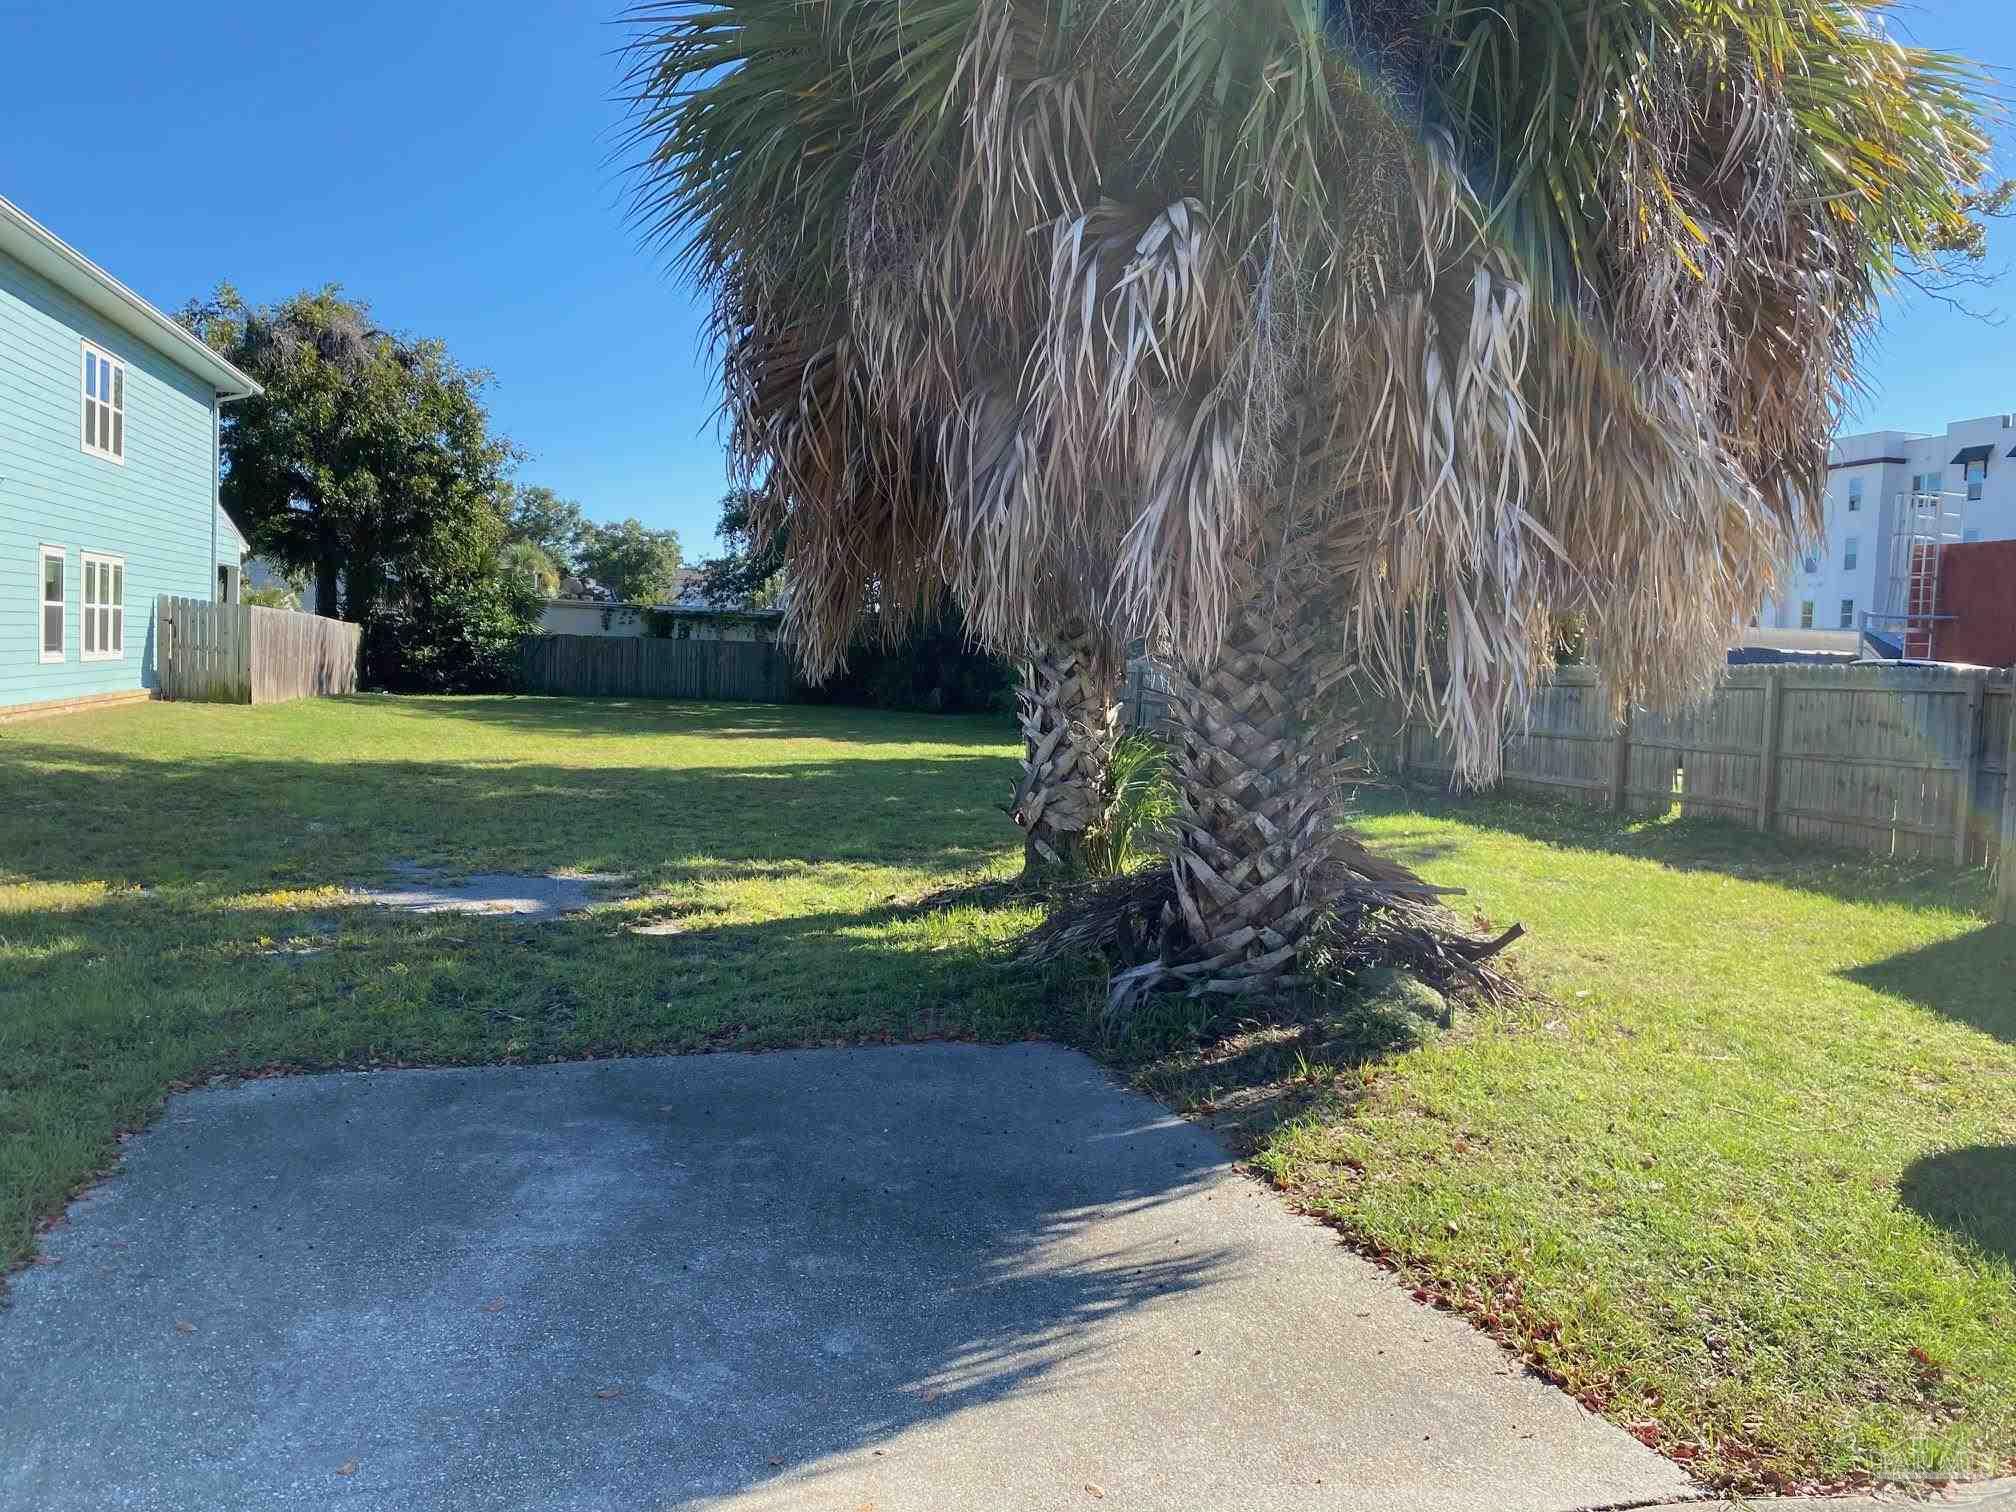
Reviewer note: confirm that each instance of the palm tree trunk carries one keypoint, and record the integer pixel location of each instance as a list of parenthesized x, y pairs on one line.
[(1069, 717), (327, 577), (1256, 767)]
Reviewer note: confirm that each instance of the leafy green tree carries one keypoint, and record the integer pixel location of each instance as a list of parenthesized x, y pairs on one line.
[(451, 630), (637, 564), (751, 571), (532, 565), (540, 517), (368, 458)]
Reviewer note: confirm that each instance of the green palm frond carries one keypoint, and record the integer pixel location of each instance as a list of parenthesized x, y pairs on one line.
[(1138, 805)]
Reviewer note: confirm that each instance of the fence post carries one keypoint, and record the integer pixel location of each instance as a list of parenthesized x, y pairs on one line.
[(1971, 742), (164, 648), (1767, 772), (1620, 762), (2007, 912)]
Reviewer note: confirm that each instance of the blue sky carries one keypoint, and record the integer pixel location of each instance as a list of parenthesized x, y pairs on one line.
[(451, 163)]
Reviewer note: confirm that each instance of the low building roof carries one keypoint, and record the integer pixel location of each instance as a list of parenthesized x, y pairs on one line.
[(38, 248), (686, 608)]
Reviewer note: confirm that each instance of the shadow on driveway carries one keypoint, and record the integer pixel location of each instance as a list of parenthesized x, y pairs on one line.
[(931, 1279)]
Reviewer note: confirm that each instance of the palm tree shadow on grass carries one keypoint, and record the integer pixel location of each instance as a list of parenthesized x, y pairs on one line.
[(1970, 1192), (1694, 843), (598, 718), (1967, 978), (1245, 1071)]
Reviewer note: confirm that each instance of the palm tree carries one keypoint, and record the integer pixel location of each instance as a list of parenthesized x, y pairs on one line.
[(1070, 721), (1307, 339), (532, 563)]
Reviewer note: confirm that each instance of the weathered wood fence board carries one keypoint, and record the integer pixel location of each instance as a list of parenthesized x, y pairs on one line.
[(203, 651), (302, 656), (1144, 697), (642, 666), (1908, 762), (240, 653)]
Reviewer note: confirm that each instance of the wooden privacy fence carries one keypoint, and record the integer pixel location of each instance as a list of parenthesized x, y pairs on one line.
[(640, 666), (1909, 762), (240, 653)]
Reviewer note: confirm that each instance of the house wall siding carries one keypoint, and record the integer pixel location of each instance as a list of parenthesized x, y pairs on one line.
[(154, 511)]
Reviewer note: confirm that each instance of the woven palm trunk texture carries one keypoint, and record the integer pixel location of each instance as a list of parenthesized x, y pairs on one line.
[(1256, 780), (1069, 722)]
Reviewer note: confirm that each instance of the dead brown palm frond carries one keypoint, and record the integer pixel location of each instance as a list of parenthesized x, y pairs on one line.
[(1131, 922), (1097, 248)]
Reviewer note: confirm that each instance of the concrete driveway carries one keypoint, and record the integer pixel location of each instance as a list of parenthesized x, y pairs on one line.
[(907, 1280)]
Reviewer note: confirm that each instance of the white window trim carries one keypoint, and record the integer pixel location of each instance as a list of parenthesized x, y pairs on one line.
[(84, 401), (44, 553), (118, 609)]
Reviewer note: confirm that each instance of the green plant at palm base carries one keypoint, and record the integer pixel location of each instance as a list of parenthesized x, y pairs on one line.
[(1137, 803)]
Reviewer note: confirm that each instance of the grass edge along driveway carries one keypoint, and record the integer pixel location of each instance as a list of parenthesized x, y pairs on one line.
[(1741, 1179)]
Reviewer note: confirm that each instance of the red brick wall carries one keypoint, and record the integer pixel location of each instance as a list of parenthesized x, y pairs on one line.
[(1979, 583)]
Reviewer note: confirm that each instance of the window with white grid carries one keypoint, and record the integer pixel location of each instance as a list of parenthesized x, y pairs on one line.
[(104, 380), (104, 617), (52, 596)]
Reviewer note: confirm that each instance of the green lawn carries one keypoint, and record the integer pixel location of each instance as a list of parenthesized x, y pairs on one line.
[(1744, 1178), (1743, 1175), (165, 871)]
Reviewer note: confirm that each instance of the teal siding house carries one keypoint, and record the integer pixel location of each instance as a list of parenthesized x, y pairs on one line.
[(108, 476)]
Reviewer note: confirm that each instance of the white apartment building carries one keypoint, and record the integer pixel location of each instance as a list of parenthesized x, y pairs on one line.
[(1872, 480)]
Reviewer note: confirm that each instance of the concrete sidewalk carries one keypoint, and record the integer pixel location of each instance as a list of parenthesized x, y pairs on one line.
[(932, 1279), (1986, 1496)]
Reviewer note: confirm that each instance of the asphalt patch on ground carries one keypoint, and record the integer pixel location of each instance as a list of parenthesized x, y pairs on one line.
[(531, 896)]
